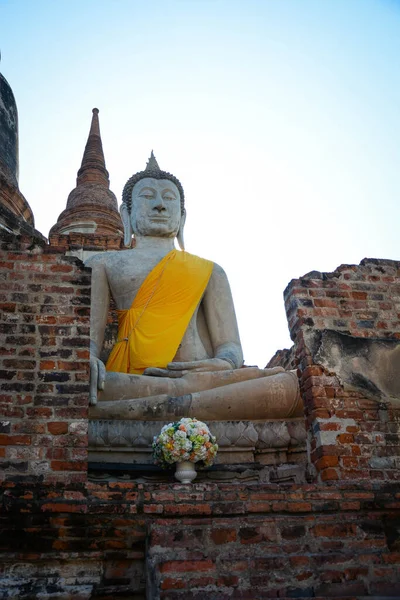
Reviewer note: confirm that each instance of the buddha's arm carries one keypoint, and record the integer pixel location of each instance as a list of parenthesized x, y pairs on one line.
[(100, 301), (221, 320)]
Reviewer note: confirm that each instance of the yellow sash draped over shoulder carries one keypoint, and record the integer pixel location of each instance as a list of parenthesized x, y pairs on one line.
[(150, 331)]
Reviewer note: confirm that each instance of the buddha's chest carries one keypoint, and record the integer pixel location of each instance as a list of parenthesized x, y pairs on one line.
[(126, 280)]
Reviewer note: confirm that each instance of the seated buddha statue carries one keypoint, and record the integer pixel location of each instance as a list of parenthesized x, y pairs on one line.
[(178, 351)]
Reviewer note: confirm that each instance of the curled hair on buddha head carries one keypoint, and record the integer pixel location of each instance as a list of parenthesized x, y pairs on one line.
[(152, 170)]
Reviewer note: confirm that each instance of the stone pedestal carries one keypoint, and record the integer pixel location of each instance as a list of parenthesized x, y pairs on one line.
[(265, 442)]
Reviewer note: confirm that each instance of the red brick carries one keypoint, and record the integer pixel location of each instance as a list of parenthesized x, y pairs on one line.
[(329, 475), (350, 505), (335, 530), (223, 536), (299, 561), (64, 365), (186, 566), (60, 465), (64, 507), (333, 426), (266, 496), (7, 307), (26, 426), (391, 558), (359, 495), (107, 495), (304, 575), (359, 295), (57, 427), (325, 302), (326, 312), (258, 507), (345, 438), (40, 411), (187, 509), (349, 461), (131, 496), (61, 268), (172, 583), (14, 440), (233, 565), (123, 485), (299, 507), (327, 461), (46, 365), (153, 508)]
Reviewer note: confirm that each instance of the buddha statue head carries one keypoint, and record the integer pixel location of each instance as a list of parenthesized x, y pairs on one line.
[(153, 204)]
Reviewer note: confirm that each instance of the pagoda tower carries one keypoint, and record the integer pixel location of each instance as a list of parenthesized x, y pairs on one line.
[(91, 220), (15, 211)]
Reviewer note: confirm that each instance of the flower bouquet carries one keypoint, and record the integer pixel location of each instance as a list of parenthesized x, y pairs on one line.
[(185, 442)]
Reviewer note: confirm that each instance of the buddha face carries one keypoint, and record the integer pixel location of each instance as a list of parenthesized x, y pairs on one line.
[(156, 208)]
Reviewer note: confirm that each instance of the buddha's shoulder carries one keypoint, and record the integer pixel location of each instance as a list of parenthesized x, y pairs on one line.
[(107, 259), (217, 274), (217, 270)]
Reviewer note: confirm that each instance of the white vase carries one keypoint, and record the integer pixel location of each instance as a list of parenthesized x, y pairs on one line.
[(185, 471)]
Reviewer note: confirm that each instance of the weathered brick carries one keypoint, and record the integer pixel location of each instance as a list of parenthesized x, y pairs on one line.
[(223, 536), (345, 438), (60, 465), (329, 475), (331, 531), (57, 427), (182, 566), (14, 440), (327, 461)]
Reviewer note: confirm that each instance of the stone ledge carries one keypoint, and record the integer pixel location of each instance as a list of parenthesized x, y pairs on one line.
[(268, 442)]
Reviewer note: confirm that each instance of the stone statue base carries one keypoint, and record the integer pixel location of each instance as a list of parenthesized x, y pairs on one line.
[(270, 442)]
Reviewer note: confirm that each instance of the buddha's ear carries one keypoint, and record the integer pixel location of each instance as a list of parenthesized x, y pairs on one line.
[(126, 222), (179, 237)]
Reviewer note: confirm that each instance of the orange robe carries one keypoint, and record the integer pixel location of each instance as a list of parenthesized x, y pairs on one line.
[(150, 331)]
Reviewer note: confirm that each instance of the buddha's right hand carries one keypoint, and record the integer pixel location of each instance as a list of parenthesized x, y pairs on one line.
[(97, 378)]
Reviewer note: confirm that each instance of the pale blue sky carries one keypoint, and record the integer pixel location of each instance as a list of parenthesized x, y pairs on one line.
[(280, 117)]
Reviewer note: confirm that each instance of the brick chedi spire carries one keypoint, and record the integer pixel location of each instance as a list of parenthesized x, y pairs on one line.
[(93, 168), (91, 207), (12, 201)]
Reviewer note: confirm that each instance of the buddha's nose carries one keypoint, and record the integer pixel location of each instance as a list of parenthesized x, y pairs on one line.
[(159, 204)]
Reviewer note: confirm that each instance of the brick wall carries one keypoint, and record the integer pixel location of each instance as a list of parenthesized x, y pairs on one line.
[(84, 245), (44, 358), (216, 541), (361, 300), (351, 434), (90, 242), (64, 535)]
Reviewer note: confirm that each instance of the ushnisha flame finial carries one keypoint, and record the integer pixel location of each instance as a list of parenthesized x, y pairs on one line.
[(152, 164)]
